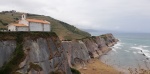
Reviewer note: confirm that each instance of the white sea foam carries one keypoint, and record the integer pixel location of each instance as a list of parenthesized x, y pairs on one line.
[(137, 48), (114, 50), (141, 50), (140, 47), (118, 45), (147, 53)]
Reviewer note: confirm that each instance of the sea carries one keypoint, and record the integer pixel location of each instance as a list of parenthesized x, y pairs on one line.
[(131, 53)]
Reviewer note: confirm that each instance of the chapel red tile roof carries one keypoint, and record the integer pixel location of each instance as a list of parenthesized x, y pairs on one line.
[(18, 24), (38, 21)]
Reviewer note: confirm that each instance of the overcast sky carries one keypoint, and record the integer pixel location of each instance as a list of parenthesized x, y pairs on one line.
[(90, 15)]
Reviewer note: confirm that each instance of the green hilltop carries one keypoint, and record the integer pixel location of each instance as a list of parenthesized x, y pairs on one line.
[(64, 30)]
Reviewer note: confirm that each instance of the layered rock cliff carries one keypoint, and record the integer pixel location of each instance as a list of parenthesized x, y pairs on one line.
[(44, 53), (79, 52), (32, 53)]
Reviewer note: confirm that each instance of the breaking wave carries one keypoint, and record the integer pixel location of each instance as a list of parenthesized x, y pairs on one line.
[(117, 46), (142, 50)]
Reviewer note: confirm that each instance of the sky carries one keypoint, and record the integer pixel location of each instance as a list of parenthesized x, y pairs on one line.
[(94, 16)]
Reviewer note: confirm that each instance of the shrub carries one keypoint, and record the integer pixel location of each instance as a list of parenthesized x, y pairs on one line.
[(75, 71)]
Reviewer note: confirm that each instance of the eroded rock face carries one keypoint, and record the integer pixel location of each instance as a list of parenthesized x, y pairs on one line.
[(109, 39), (41, 54), (44, 56), (80, 51), (7, 47), (92, 47), (77, 53)]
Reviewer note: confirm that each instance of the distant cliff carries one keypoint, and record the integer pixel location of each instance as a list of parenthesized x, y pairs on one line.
[(79, 52), (44, 53)]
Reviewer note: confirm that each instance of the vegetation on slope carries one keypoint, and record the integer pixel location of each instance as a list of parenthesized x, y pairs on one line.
[(75, 71), (95, 66), (62, 29), (18, 55)]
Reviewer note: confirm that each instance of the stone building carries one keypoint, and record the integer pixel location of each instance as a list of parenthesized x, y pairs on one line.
[(25, 24)]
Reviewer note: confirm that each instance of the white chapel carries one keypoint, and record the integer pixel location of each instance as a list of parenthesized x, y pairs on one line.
[(25, 24)]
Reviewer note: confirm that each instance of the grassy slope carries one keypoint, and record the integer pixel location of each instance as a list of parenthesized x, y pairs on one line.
[(63, 30), (97, 67)]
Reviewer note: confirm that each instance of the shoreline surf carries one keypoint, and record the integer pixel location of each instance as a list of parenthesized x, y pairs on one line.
[(129, 54)]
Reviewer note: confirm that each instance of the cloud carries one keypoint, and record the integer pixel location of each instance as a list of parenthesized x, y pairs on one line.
[(117, 15)]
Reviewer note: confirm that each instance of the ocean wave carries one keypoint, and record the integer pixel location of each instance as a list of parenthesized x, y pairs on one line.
[(147, 53), (114, 50), (141, 50), (118, 45), (137, 48), (140, 47)]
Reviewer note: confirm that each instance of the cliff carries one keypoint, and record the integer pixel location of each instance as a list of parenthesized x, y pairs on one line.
[(32, 53), (79, 52), (44, 53)]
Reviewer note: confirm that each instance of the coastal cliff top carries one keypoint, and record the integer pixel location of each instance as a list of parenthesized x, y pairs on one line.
[(64, 30), (14, 35)]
